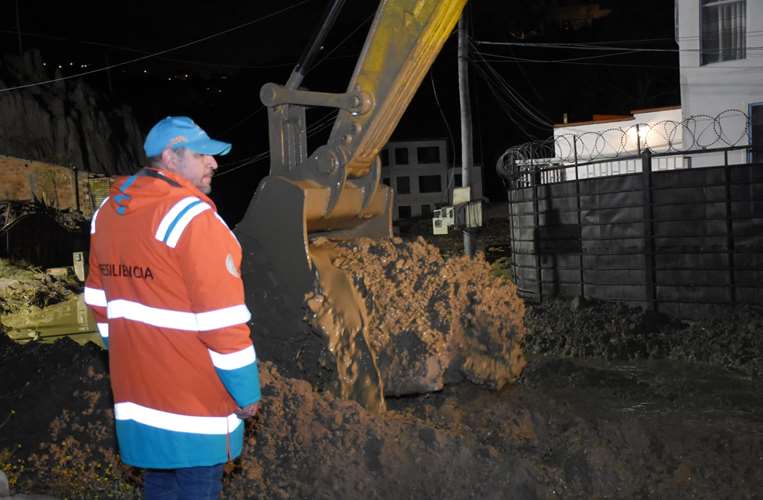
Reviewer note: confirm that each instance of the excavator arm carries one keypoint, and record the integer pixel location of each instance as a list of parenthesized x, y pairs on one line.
[(335, 191)]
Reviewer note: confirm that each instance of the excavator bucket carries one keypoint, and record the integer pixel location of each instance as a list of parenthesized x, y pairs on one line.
[(335, 192)]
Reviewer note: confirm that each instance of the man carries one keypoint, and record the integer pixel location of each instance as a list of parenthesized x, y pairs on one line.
[(165, 285)]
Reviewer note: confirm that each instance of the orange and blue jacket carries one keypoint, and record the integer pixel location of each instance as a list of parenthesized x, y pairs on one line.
[(164, 283)]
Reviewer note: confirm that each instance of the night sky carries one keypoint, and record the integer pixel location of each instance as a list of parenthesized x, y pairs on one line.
[(225, 73)]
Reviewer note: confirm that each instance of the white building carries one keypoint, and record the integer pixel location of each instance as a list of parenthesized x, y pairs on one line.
[(721, 73), (421, 177), (721, 43)]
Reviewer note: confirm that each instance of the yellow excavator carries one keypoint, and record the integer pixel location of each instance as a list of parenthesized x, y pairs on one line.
[(334, 191)]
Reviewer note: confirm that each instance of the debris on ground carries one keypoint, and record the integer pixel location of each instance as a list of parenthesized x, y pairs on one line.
[(614, 402), (23, 287)]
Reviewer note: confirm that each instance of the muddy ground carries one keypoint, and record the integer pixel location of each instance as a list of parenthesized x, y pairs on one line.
[(613, 403)]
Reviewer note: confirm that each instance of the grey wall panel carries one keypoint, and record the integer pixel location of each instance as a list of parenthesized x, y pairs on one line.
[(691, 244), (750, 295), (612, 200), (744, 277), (690, 212), (626, 261), (689, 195), (687, 250), (747, 209), (748, 260), (615, 184), (692, 261), (612, 216), (688, 178), (694, 229), (692, 278), (613, 247), (743, 174), (625, 231), (614, 277)]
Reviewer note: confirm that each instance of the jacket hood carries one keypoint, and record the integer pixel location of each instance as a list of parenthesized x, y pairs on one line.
[(148, 187)]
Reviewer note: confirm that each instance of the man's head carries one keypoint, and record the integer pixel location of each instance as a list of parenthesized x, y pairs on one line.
[(177, 144)]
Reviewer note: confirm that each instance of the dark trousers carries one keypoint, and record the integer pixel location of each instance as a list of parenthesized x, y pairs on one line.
[(197, 483)]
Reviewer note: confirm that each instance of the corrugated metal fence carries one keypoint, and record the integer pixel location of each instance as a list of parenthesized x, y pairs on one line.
[(686, 242)]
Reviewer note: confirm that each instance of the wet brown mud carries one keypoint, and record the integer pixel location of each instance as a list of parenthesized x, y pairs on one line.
[(612, 403), (387, 318), (566, 429)]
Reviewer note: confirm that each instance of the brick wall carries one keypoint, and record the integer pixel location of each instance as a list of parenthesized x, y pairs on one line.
[(25, 180)]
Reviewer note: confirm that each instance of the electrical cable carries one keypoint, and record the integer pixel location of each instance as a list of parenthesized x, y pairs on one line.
[(321, 124), (567, 46), (538, 119)]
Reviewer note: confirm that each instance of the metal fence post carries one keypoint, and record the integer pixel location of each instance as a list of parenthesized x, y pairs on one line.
[(649, 247), (509, 191), (730, 245), (581, 274), (535, 177)]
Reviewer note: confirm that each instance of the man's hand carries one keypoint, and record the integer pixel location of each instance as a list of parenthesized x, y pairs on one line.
[(248, 411)]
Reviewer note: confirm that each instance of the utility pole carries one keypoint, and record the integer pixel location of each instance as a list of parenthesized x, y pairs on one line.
[(18, 28), (467, 156)]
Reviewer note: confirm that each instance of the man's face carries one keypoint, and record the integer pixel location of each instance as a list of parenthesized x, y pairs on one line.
[(197, 168)]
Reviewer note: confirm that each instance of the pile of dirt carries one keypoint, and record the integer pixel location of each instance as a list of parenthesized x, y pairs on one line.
[(375, 318), (568, 430), (472, 319), (617, 332)]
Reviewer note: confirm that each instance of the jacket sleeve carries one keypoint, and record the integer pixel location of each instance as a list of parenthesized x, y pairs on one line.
[(95, 294), (210, 259)]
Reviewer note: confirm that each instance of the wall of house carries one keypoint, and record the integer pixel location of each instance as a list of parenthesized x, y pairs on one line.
[(712, 88), (657, 129), (26, 180)]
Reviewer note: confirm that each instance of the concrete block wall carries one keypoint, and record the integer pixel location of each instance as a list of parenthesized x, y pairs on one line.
[(26, 180)]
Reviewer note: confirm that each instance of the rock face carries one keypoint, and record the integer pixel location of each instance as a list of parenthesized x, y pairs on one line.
[(66, 122)]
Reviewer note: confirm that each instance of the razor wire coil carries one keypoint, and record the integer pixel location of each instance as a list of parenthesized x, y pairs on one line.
[(729, 128)]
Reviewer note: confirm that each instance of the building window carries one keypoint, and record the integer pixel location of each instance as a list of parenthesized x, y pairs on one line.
[(428, 154), (724, 30), (457, 180), (426, 210), (403, 185), (385, 181), (430, 184), (403, 212), (401, 156), (384, 156)]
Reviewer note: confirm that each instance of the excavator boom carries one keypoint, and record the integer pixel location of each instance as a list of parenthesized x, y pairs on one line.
[(335, 191)]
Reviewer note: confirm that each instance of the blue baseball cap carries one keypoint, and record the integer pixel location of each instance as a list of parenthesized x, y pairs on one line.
[(181, 131)]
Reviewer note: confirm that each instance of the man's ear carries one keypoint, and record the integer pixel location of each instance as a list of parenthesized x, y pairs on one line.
[(170, 159)]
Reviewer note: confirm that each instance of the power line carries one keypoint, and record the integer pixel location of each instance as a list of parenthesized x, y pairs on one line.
[(536, 118), (349, 35), (501, 58), (149, 56), (581, 46), (320, 125), (140, 51)]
